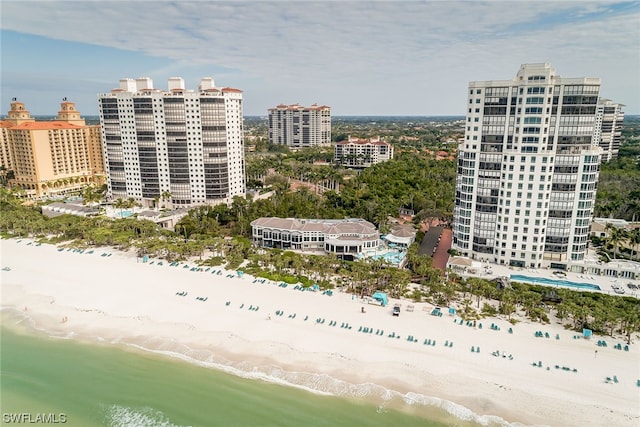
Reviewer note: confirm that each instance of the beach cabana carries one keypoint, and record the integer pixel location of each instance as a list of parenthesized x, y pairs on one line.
[(586, 333), (452, 311), (381, 297)]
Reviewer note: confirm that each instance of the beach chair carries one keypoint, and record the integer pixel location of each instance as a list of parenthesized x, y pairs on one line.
[(615, 379)]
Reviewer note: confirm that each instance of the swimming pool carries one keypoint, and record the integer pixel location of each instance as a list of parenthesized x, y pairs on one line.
[(545, 281), (124, 214), (393, 257)]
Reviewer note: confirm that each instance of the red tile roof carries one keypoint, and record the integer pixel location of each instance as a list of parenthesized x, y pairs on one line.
[(50, 125)]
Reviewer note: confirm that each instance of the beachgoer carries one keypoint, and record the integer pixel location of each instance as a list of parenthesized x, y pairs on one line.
[(269, 316), (596, 354), (363, 309)]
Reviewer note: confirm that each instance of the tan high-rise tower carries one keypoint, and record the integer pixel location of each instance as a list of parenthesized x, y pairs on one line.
[(49, 158)]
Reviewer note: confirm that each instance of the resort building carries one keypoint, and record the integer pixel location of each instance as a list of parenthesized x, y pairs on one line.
[(608, 128), (183, 145), (344, 237), (527, 169), (296, 126), (50, 158), (362, 153)]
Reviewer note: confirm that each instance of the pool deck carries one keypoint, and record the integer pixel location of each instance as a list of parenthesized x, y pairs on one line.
[(604, 282)]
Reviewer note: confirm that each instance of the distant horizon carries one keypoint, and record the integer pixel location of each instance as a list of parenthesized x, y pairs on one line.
[(332, 116)]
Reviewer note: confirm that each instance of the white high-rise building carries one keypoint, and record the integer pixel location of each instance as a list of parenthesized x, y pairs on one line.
[(181, 143), (296, 126), (527, 169), (608, 129)]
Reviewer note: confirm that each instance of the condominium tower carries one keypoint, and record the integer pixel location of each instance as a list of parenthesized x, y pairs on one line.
[(184, 145), (297, 127), (608, 128), (527, 169), (48, 158)]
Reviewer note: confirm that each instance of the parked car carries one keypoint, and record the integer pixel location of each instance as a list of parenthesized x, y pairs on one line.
[(396, 310)]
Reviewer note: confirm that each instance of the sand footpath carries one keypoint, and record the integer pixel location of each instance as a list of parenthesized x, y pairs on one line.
[(317, 341)]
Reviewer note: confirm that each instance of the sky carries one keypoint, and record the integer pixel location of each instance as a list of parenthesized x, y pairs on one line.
[(400, 58)]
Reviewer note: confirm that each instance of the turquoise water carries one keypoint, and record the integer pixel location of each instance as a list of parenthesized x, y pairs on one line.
[(124, 214), (545, 281), (109, 385), (392, 257)]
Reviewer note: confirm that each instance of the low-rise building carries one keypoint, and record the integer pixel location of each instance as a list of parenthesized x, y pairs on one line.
[(362, 153), (343, 237)]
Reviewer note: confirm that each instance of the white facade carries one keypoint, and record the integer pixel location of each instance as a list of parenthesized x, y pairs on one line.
[(608, 128), (527, 169), (184, 142), (297, 127), (362, 152), (347, 237)]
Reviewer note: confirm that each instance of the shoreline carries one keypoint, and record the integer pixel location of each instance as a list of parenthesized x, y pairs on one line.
[(135, 304)]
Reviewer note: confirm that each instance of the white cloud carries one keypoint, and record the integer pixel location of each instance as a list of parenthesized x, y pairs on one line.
[(360, 56)]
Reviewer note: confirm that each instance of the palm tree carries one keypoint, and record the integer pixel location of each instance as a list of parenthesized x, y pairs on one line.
[(165, 196), (634, 240), (617, 235), (120, 203)]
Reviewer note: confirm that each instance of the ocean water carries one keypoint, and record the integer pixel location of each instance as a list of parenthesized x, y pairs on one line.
[(91, 384)]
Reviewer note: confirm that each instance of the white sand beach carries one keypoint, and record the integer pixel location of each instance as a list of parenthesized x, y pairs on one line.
[(117, 299)]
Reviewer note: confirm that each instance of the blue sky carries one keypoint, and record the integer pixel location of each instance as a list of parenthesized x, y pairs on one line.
[(358, 57)]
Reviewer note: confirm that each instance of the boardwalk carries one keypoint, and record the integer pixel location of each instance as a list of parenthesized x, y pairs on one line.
[(436, 243)]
